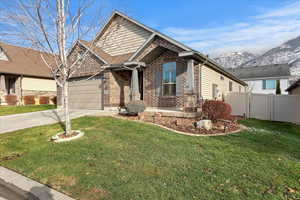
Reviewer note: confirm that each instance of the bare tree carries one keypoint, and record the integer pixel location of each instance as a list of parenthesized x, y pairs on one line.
[(53, 26)]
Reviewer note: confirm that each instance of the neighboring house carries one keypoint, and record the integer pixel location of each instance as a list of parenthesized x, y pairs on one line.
[(131, 61), (294, 89), (22, 73), (263, 79)]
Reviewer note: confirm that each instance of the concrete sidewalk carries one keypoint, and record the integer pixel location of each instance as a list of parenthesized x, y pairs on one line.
[(18, 187), (27, 120)]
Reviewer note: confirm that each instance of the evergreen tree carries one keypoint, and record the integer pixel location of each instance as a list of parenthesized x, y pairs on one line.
[(278, 90)]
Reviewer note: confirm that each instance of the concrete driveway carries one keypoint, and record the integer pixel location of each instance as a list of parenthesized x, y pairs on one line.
[(27, 120), (14, 186)]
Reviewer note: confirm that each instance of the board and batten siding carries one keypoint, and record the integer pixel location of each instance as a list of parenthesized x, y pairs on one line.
[(38, 84), (122, 37), (210, 77)]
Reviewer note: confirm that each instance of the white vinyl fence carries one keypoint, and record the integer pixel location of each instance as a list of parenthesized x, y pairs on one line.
[(285, 108)]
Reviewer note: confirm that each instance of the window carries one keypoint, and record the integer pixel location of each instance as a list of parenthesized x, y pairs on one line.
[(230, 86), (169, 79), (269, 84), (240, 89), (222, 78), (214, 91)]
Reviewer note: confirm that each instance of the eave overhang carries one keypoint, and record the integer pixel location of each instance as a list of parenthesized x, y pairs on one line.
[(200, 58)]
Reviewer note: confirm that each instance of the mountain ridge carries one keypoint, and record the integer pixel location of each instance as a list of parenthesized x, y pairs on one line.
[(286, 53)]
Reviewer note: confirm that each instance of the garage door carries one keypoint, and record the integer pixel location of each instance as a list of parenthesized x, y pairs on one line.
[(85, 94)]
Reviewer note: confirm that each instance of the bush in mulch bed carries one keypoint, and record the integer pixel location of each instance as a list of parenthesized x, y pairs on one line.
[(11, 99), (215, 110), (44, 100), (187, 125), (29, 100)]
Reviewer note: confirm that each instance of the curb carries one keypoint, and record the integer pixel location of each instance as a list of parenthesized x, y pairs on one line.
[(32, 187)]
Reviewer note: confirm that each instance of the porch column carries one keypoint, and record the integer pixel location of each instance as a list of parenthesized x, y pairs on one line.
[(2, 88), (135, 93), (190, 76)]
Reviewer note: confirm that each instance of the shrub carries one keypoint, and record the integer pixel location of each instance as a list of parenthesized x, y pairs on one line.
[(135, 107), (44, 100), (11, 99), (215, 110), (29, 100)]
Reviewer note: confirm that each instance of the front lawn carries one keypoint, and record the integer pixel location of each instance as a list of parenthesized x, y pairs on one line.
[(11, 110), (119, 159)]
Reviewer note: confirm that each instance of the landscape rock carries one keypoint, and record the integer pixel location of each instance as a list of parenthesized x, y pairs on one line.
[(206, 124)]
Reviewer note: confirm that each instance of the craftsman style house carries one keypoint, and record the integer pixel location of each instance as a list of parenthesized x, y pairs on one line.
[(22, 73), (130, 61)]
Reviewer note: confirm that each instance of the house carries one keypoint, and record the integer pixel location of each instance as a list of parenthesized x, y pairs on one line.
[(263, 79), (294, 89), (22, 73), (131, 61)]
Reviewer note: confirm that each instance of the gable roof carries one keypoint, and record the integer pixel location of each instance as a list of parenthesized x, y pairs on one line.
[(151, 30), (24, 61), (211, 63), (267, 71), (105, 56), (293, 86)]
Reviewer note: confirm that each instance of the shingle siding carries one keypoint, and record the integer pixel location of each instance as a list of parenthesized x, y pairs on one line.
[(122, 37)]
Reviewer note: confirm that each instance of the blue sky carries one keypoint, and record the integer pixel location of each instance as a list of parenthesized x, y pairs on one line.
[(212, 27), (215, 27)]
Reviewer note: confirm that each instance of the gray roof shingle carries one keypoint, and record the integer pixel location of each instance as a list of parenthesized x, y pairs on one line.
[(276, 70)]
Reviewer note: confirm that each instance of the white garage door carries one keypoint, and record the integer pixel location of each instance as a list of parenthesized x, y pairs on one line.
[(85, 94)]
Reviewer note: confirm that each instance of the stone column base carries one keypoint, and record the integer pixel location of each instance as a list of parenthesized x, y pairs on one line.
[(190, 103)]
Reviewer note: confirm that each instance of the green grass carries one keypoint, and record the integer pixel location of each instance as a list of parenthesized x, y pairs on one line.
[(10, 110), (119, 159)]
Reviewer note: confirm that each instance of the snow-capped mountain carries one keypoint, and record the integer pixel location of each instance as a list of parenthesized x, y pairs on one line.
[(288, 52), (234, 59)]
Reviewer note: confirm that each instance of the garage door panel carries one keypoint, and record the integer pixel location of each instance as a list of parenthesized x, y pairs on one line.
[(84, 106), (85, 94), (86, 88), (84, 100)]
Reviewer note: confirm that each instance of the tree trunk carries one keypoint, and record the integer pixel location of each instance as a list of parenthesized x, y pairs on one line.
[(68, 127)]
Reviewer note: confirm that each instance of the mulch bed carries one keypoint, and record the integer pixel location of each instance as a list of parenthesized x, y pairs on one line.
[(187, 125), (63, 135)]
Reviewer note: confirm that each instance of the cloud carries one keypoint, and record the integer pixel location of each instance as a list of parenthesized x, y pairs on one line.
[(257, 34)]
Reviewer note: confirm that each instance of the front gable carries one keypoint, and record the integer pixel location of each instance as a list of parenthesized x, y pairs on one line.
[(155, 48), (3, 56), (121, 36), (90, 64)]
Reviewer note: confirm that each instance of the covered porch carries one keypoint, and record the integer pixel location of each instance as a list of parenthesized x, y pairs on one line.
[(9, 85), (143, 84)]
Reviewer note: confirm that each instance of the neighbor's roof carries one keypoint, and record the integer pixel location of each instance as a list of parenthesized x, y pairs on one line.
[(24, 61), (278, 70), (294, 85)]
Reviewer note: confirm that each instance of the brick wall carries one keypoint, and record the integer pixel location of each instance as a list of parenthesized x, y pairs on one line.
[(150, 97), (118, 87), (88, 66)]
